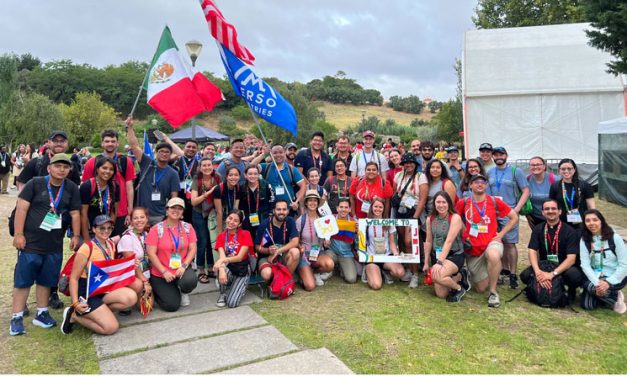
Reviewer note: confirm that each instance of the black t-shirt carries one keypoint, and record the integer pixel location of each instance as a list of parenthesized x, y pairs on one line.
[(260, 201), (93, 199), (582, 192), (5, 163), (567, 244), (229, 197), (305, 160), (36, 192), (186, 167), (267, 236), (39, 167)]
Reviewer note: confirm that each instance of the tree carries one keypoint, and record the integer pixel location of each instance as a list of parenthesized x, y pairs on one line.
[(8, 77), (449, 121), (609, 18), (495, 14), (87, 115), (28, 62)]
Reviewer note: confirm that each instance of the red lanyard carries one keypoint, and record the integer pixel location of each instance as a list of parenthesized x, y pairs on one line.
[(248, 199), (555, 242), (311, 230), (318, 163), (271, 226)]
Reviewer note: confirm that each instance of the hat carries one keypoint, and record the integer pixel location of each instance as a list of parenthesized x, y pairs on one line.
[(477, 177), (101, 220), (61, 158), (312, 193), (499, 149), (175, 201), (57, 133), (290, 145), (452, 149), (485, 146), (368, 134), (408, 158)]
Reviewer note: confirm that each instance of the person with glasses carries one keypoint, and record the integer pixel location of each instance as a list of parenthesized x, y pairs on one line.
[(573, 194), (540, 182), (95, 312), (473, 167)]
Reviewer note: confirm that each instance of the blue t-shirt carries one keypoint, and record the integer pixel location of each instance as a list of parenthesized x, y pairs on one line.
[(539, 192), (267, 236), (165, 181), (269, 172), (504, 185)]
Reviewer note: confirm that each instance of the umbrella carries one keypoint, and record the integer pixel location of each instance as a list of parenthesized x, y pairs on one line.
[(202, 135)]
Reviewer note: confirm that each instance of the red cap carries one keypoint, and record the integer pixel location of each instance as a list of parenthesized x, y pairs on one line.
[(368, 133)]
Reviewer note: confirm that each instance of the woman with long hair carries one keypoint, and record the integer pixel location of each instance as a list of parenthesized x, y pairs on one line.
[(99, 195), (473, 167), (540, 182), (395, 164), (338, 185), (364, 190), (204, 215), (573, 194), (226, 196), (444, 250), (603, 258), (438, 179)]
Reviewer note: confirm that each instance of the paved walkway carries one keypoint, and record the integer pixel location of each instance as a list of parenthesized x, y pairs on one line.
[(202, 338)]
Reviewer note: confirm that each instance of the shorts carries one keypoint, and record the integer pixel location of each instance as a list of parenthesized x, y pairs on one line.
[(93, 302), (478, 265), (457, 259), (512, 236), (32, 268), (264, 260)]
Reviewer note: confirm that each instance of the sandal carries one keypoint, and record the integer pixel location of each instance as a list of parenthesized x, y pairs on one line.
[(203, 278)]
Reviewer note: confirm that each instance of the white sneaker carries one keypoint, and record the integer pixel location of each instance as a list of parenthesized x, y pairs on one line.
[(185, 300), (620, 306), (364, 276), (387, 278), (318, 278), (414, 282), (408, 276), (326, 276)]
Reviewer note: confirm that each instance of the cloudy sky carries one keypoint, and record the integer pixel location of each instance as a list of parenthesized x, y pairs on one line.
[(399, 47)]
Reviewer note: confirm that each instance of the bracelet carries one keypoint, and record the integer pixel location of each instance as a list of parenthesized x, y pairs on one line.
[(19, 233), (75, 304)]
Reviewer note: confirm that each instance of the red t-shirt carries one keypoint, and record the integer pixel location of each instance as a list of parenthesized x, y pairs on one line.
[(391, 173), (243, 240), (88, 173), (165, 245), (363, 191), (465, 207)]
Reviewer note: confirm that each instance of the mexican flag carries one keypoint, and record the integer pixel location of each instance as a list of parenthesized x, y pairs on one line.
[(174, 89)]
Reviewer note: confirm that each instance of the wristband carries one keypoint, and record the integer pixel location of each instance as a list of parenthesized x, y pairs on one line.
[(19, 234), (185, 266)]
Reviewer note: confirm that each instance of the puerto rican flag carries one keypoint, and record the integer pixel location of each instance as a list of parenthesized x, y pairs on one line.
[(109, 275)]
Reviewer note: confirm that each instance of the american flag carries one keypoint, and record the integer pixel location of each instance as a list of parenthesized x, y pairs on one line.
[(224, 32), (108, 275)]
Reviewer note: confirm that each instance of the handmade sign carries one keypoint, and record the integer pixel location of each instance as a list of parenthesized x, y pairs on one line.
[(326, 227), (325, 210), (369, 254)]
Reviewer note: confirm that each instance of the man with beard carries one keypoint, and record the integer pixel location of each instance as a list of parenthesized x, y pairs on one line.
[(343, 148), (315, 157), (454, 165), (427, 149), (294, 189), (186, 165), (415, 149), (237, 152), (510, 185), (124, 176), (290, 153)]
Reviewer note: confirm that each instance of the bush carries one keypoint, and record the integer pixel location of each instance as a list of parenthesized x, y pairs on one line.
[(241, 112)]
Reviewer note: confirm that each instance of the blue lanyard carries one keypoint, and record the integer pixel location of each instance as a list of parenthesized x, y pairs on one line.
[(176, 240), (54, 202), (104, 202), (156, 178), (187, 167), (499, 181), (571, 199), (105, 253), (481, 211), (230, 250), (228, 200), (371, 156)]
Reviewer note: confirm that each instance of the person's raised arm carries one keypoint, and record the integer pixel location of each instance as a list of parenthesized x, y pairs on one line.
[(132, 140)]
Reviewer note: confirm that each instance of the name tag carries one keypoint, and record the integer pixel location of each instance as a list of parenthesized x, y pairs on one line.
[(280, 190), (573, 216), (438, 252), (379, 246), (408, 201), (183, 185), (254, 219), (51, 222), (474, 230), (156, 196), (314, 252), (552, 258), (175, 261), (365, 206), (483, 229)]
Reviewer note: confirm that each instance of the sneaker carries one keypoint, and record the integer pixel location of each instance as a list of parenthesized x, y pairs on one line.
[(414, 282), (125, 312), (456, 296), (387, 278), (502, 278), (364, 276), (26, 311), (326, 276), (221, 301), (318, 278), (513, 281), (54, 301), (17, 326), (66, 325), (185, 300), (408, 276), (493, 300), (465, 281), (620, 306), (44, 320)]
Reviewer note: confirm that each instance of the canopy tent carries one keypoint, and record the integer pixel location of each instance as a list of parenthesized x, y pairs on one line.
[(538, 90), (613, 160), (202, 135)]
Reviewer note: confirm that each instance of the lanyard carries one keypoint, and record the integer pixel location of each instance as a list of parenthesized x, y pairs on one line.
[(105, 253), (248, 199), (571, 200), (228, 199), (554, 249), (271, 226), (142, 239), (499, 181), (367, 196), (230, 249), (481, 211), (155, 178), (317, 163), (54, 202), (104, 203), (311, 230), (371, 156), (187, 167), (176, 240)]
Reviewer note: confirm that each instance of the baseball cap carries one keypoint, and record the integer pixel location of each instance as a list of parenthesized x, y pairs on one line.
[(368, 134), (477, 177), (485, 146), (175, 201), (452, 149), (499, 149), (57, 133), (408, 158), (290, 145), (102, 219), (61, 158)]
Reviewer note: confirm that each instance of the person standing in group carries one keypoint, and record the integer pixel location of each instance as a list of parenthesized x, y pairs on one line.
[(338, 185), (204, 216), (256, 200), (473, 167), (17, 159), (209, 151), (39, 238), (394, 164), (510, 185), (483, 241), (540, 182), (171, 247), (186, 165), (437, 178), (99, 195), (158, 181), (5, 170), (235, 160), (343, 151), (365, 189), (574, 195), (454, 165), (294, 189), (124, 177), (313, 183), (603, 258), (485, 156), (290, 153), (226, 196), (368, 155), (315, 156), (415, 149)]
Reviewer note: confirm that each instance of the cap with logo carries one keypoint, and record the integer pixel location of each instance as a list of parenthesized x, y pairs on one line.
[(368, 134), (452, 149), (102, 219), (485, 146), (290, 145), (477, 177)]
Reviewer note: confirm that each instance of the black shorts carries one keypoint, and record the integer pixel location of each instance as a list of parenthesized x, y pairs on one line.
[(457, 259), (94, 302)]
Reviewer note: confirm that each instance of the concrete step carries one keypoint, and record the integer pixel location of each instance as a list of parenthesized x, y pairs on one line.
[(155, 334), (199, 303), (202, 355), (203, 288), (319, 362)]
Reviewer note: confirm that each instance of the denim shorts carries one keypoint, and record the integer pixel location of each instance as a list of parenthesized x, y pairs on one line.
[(32, 268)]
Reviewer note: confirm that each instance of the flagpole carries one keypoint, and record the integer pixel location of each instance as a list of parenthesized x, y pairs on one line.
[(88, 278), (263, 136), (141, 87)]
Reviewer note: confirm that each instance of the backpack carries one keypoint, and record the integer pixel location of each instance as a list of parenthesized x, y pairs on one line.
[(555, 297), (282, 284), (289, 171), (122, 167), (64, 276), (186, 227)]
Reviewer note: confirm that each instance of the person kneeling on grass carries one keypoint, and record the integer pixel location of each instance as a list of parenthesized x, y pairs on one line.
[(232, 270), (340, 246), (95, 313), (444, 226)]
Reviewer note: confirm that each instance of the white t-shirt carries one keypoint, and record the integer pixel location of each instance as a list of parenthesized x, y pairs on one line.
[(361, 158), (379, 233)]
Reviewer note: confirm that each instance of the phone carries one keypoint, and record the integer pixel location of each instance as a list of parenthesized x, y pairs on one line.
[(158, 134), (84, 301)]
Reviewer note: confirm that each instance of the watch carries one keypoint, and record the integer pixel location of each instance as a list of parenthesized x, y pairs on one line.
[(555, 274), (185, 266)]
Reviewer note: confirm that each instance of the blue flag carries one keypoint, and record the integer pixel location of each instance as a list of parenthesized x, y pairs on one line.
[(147, 148), (266, 102)]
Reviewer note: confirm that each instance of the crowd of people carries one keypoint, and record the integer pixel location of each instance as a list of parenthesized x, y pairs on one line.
[(188, 217)]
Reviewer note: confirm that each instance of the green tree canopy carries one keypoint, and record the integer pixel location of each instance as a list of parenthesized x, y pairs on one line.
[(495, 14), (29, 117), (609, 18), (87, 116)]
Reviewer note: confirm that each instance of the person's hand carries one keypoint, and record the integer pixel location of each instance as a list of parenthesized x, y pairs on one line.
[(222, 277), (74, 242), (498, 237), (179, 272), (294, 205), (129, 122), (81, 308), (137, 263), (147, 289), (545, 279), (425, 268), (602, 287), (169, 277), (127, 219), (19, 241), (327, 243)]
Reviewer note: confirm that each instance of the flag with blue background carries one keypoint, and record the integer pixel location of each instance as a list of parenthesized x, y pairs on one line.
[(266, 102)]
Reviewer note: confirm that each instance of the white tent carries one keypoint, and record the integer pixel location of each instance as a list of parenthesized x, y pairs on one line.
[(613, 160), (537, 91)]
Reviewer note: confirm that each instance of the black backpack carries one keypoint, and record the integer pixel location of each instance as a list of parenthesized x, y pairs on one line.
[(555, 297)]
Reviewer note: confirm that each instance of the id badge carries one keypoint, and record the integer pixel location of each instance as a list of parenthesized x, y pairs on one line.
[(254, 219), (573, 216), (552, 258), (51, 222), (483, 229), (314, 252), (379, 246), (175, 261), (183, 185), (408, 201), (365, 206), (280, 190), (438, 252), (156, 196), (474, 230)]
